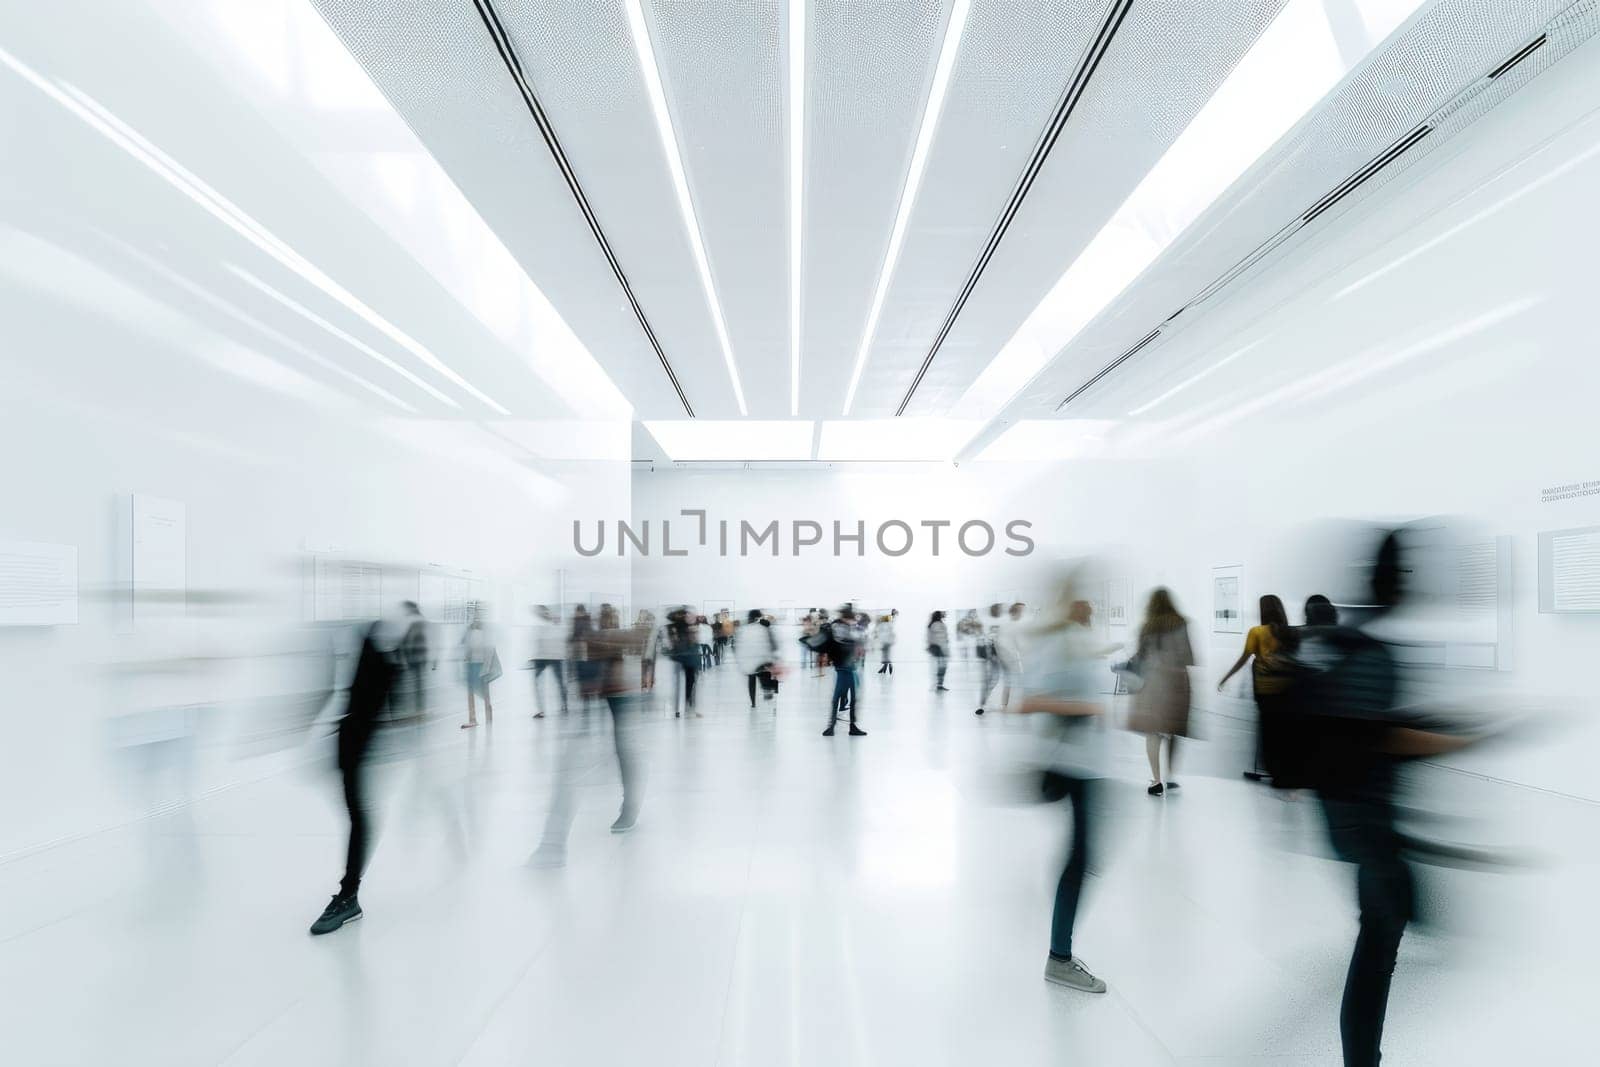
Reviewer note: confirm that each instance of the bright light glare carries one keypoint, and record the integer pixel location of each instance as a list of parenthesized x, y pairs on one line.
[(354, 342), (1363, 367), (1181, 386), (1288, 70), (1049, 440), (733, 439), (934, 439), (797, 156), (132, 142), (680, 184), (908, 195)]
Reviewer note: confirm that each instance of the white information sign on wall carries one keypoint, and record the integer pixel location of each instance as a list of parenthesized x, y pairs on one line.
[(160, 556), (1569, 570), (38, 584)]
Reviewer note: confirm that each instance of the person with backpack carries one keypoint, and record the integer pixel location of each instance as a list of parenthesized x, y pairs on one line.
[(376, 689), (1264, 648), (1346, 738)]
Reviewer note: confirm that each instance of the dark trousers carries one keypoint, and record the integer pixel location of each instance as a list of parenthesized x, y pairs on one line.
[(355, 802), (1363, 832), (572, 765), (941, 663), (691, 670), (1070, 887), (844, 693), (752, 680), (555, 665)]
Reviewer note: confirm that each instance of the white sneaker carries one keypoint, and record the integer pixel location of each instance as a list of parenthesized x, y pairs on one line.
[(1072, 973), (549, 855)]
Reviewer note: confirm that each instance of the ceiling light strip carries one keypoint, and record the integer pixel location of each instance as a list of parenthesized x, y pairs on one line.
[(1068, 103), (1340, 192), (908, 193), (797, 126), (1109, 367), (108, 125), (651, 73), (508, 56)]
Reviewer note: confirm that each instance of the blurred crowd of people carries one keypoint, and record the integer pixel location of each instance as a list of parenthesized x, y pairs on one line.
[(1338, 717)]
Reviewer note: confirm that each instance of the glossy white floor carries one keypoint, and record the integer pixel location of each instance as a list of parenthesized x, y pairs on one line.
[(786, 899)]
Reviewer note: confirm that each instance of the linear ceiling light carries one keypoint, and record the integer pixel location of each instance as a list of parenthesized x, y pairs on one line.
[(1048, 440), (797, 169), (1289, 69), (680, 184), (224, 210), (930, 439), (690, 440), (908, 193), (354, 342)]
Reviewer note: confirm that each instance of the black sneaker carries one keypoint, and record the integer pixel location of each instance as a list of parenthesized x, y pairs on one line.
[(340, 910), (828, 732), (856, 731), (978, 712), (1172, 785), (1155, 790)]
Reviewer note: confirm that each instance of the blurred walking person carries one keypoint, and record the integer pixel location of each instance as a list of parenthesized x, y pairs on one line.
[(1161, 705), (375, 687), (606, 648), (683, 644), (939, 649), (1265, 648), (703, 636), (1349, 730), (549, 655), (1004, 654), (843, 649), (755, 649), (482, 665), (886, 642), (652, 649), (1060, 692)]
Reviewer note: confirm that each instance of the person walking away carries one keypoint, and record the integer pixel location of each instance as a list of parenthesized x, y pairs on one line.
[(549, 656), (842, 648), (886, 643), (755, 650), (375, 683), (1161, 706), (685, 645), (1265, 648), (607, 648), (481, 662), (939, 649), (1061, 696), (652, 649)]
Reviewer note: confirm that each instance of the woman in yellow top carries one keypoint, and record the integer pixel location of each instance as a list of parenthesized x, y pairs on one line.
[(1265, 644)]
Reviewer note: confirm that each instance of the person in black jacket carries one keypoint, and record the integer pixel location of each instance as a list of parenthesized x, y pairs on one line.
[(375, 687), (1347, 739), (843, 649)]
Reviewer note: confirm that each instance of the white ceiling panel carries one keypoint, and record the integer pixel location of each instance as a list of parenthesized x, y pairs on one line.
[(724, 73), (870, 66), (1449, 45)]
